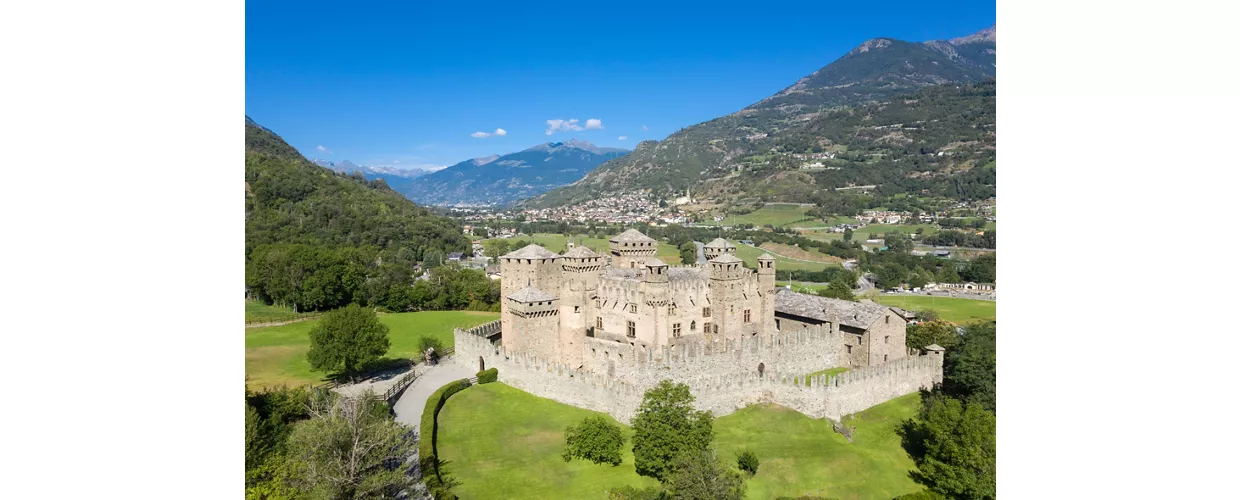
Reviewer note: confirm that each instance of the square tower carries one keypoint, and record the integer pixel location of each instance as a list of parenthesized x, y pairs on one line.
[(630, 249)]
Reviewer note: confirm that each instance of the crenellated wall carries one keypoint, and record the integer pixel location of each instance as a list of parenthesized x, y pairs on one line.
[(614, 376)]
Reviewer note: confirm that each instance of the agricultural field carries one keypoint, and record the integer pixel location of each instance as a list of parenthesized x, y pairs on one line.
[(775, 214), (750, 256), (876, 231), (872, 231), (952, 309), (795, 252), (276, 355), (500, 442)]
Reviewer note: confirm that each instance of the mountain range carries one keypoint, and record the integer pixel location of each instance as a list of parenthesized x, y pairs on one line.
[(499, 180), (741, 155), (400, 180)]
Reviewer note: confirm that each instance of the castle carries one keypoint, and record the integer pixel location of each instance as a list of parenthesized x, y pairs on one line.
[(627, 320)]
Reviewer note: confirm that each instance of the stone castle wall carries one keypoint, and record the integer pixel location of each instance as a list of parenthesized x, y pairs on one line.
[(721, 381)]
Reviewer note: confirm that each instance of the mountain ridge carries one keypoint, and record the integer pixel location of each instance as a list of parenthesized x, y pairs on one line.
[(876, 69), (501, 179)]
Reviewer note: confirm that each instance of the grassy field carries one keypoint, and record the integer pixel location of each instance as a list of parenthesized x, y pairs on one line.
[(802, 456), (876, 230), (773, 214), (558, 243), (956, 310), (257, 311), (802, 286), (797, 253), (276, 355), (500, 442), (750, 256)]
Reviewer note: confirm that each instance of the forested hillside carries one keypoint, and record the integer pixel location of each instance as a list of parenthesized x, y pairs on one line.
[(317, 239)]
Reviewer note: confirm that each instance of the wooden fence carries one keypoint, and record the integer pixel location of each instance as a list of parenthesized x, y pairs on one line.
[(287, 318)]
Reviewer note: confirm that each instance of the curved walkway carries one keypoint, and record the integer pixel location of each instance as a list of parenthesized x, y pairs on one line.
[(409, 407)]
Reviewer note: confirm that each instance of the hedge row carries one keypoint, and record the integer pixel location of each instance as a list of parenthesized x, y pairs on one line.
[(488, 376), (429, 431)]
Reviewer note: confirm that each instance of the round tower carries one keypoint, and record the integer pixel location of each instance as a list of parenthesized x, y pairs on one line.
[(766, 288), (581, 269), (656, 291)]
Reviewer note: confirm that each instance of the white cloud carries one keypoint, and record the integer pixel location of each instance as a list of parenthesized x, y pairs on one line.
[(594, 124), (644, 128), (322, 149), (559, 125), (480, 135), (623, 138)]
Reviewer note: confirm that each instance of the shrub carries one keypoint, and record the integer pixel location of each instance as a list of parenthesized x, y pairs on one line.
[(428, 430), (596, 440), (428, 342), (748, 462), (488, 376)]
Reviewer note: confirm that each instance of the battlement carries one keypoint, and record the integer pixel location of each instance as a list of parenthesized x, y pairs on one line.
[(486, 329), (718, 375)]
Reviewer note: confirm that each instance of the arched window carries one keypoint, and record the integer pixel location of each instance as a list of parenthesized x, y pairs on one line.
[(693, 325)]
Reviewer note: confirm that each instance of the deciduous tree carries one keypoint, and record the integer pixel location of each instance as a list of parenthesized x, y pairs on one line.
[(666, 428), (953, 446), (688, 253), (969, 368), (837, 290), (925, 333), (595, 439), (346, 339), (351, 448), (702, 476)]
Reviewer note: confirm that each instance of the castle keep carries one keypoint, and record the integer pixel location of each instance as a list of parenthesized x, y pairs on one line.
[(597, 330)]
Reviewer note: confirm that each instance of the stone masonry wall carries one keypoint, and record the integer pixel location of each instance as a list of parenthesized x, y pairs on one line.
[(721, 381)]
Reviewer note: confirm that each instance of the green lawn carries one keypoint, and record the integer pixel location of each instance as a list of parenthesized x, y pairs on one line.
[(802, 456), (956, 310), (276, 355), (500, 442)]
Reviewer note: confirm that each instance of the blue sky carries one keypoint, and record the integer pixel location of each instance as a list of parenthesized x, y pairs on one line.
[(409, 84)]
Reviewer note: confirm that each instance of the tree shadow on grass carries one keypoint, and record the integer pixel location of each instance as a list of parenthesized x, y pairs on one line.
[(374, 371)]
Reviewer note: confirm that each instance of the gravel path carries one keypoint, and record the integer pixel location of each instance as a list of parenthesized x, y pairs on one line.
[(409, 407)]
